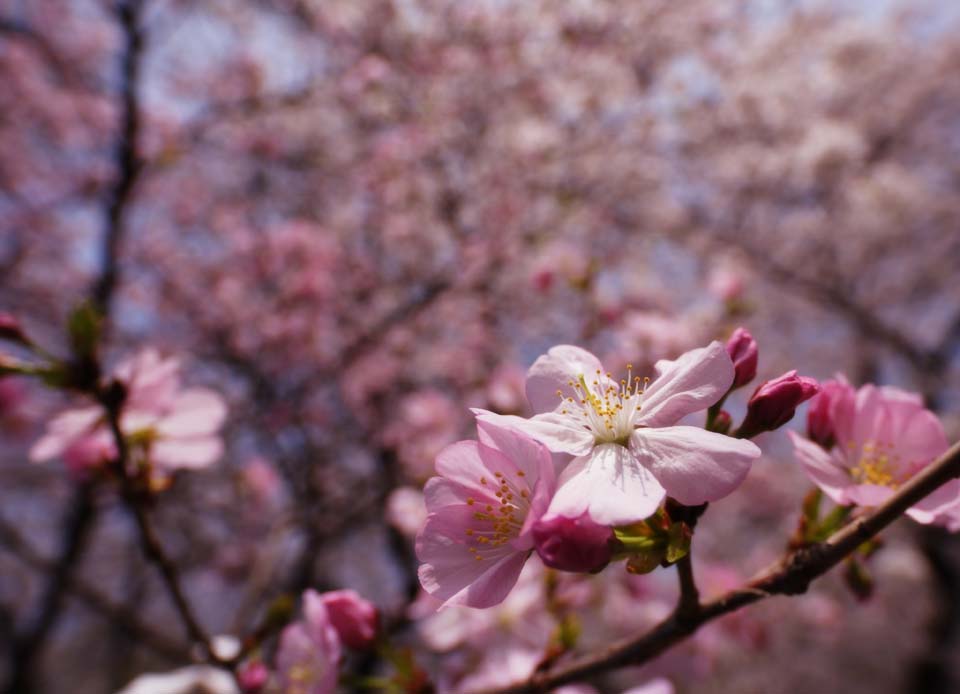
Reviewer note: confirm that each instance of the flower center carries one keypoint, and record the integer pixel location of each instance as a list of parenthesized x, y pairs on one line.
[(877, 464), (499, 518), (603, 406)]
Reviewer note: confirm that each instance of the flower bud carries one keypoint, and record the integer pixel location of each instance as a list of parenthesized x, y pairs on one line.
[(742, 349), (354, 618), (252, 677), (820, 417), (573, 544), (775, 402)]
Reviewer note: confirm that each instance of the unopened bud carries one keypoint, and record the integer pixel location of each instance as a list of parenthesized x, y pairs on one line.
[(573, 544), (743, 350), (252, 677), (354, 618), (775, 403)]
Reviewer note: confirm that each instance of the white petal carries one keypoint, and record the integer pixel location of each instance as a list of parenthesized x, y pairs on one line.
[(609, 485), (692, 383), (552, 372), (694, 465)]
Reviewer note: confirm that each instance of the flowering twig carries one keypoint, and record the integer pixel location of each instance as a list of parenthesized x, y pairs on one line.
[(789, 576)]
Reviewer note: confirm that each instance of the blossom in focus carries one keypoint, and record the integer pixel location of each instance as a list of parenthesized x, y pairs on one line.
[(573, 544), (354, 618), (630, 452), (744, 353), (177, 427), (481, 510), (775, 402), (884, 436), (309, 653)]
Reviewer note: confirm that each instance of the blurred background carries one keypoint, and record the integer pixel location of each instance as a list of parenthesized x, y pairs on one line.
[(356, 219)]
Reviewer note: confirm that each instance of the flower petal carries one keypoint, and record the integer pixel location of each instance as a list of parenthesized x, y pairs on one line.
[(692, 383), (609, 485), (821, 467), (529, 455), (559, 433), (188, 453), (933, 506), (694, 465), (450, 573), (553, 371), (194, 412)]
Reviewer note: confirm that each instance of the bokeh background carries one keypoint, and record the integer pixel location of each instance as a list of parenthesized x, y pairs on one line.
[(358, 218)]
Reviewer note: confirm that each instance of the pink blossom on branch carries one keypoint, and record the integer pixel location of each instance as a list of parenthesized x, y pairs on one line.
[(775, 402), (574, 544), (177, 427), (743, 350), (883, 436), (630, 451), (309, 654), (482, 507)]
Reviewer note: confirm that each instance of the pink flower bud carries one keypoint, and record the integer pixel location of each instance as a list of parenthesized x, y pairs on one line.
[(820, 418), (252, 677), (573, 544), (354, 618), (775, 402), (742, 349)]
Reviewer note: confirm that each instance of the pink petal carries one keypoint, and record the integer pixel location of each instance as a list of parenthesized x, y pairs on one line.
[(917, 435), (868, 494), (821, 467), (692, 383), (559, 433), (472, 465), (934, 505), (450, 573), (609, 485), (194, 412), (186, 452), (552, 372), (528, 455), (63, 430), (694, 465)]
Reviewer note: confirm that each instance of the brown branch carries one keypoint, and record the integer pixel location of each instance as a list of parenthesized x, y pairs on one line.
[(149, 541), (127, 162), (92, 598), (790, 576), (689, 602)]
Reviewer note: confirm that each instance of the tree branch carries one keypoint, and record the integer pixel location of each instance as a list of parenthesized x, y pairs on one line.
[(790, 576)]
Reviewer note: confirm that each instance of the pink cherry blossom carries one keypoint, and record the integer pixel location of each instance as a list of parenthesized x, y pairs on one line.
[(884, 436), (775, 402), (630, 451), (354, 618), (742, 349), (177, 427), (309, 653), (481, 510)]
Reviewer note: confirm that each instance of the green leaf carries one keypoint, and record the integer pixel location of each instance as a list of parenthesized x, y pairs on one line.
[(678, 542), (84, 327)]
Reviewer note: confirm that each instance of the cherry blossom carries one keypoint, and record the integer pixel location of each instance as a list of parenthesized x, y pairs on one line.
[(884, 436), (309, 653), (630, 451), (482, 507)]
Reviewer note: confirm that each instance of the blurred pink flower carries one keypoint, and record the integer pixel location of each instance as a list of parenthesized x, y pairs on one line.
[(406, 510), (177, 427), (630, 451), (354, 618), (309, 653), (481, 510), (884, 436)]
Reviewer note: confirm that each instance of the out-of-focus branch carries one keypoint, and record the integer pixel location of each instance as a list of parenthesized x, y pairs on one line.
[(149, 541), (791, 575), (75, 530), (127, 163), (163, 645)]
